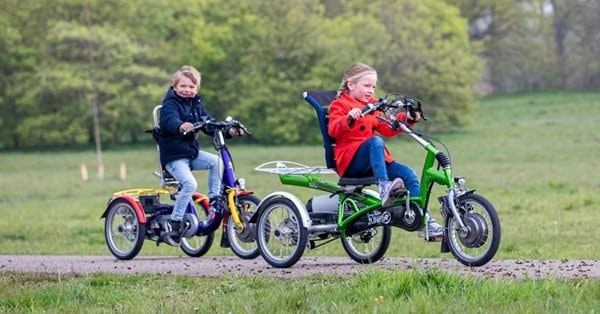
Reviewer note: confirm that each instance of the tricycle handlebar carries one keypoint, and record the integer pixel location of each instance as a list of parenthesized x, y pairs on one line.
[(219, 125), (411, 105)]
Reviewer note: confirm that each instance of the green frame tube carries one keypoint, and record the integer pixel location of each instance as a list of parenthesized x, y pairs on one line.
[(429, 174)]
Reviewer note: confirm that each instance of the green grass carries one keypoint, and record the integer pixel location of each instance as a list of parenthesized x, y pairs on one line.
[(534, 156), (374, 291)]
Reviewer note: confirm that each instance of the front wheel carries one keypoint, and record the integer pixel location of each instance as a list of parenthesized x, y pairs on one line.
[(123, 231), (280, 234), (479, 241), (198, 245), (243, 241), (368, 246)]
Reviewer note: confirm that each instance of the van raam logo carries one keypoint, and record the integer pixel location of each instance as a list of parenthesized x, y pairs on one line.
[(377, 218)]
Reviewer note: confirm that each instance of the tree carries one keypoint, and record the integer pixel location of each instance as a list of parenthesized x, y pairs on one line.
[(577, 42), (425, 53), (79, 62), (292, 47), (536, 44), (18, 58), (256, 59), (259, 63)]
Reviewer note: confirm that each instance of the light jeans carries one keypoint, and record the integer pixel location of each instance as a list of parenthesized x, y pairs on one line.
[(369, 161), (181, 170)]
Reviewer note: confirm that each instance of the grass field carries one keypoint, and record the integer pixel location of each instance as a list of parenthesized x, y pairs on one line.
[(374, 291), (534, 156)]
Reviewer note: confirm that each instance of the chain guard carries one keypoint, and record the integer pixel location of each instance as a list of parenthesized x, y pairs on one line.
[(372, 219), (410, 219)]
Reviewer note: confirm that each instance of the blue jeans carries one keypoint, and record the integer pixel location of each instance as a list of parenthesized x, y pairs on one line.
[(181, 170), (369, 161)]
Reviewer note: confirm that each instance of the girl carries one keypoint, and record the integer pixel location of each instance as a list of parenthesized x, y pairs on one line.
[(359, 152)]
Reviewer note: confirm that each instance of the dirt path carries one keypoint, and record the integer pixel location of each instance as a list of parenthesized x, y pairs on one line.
[(210, 266)]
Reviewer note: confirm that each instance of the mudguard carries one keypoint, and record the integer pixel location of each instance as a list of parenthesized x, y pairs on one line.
[(306, 221), (132, 201)]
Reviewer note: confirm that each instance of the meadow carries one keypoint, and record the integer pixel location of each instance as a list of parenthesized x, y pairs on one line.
[(534, 156)]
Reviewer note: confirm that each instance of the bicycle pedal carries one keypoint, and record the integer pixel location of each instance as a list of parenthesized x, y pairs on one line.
[(398, 193), (439, 238)]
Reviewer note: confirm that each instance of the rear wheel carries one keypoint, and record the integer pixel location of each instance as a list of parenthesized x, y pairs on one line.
[(479, 241), (123, 232), (243, 241), (280, 234), (198, 245), (368, 246)]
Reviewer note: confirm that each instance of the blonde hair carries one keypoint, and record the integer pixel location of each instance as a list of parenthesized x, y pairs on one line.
[(352, 74), (189, 72)]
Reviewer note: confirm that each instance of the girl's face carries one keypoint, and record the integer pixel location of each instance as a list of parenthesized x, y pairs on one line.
[(185, 87), (364, 88)]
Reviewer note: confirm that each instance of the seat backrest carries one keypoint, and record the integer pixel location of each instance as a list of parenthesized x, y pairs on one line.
[(320, 101), (166, 179)]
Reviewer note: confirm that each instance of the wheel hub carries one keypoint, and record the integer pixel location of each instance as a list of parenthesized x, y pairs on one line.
[(367, 235), (127, 230), (284, 233), (247, 234), (476, 232)]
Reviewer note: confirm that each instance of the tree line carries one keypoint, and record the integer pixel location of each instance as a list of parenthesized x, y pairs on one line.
[(68, 65)]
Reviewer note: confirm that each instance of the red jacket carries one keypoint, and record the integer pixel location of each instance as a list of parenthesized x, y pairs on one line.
[(349, 139)]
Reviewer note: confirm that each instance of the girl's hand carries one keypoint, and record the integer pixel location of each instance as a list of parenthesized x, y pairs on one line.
[(415, 117), (354, 114)]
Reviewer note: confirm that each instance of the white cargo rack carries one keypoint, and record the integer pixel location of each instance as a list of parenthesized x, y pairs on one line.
[(281, 167)]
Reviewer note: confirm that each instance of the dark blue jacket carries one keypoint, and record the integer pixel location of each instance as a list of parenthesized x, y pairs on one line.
[(175, 111)]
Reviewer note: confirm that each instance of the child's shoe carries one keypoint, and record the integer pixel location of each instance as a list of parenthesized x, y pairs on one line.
[(434, 229), (174, 234), (387, 189)]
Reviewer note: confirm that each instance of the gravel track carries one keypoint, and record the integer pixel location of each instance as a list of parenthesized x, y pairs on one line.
[(212, 266)]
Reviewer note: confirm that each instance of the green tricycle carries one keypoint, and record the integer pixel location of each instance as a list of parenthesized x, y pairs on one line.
[(285, 226)]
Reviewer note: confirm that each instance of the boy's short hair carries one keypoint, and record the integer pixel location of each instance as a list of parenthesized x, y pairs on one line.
[(189, 72)]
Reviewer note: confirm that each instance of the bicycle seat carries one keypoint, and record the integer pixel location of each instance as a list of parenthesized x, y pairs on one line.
[(320, 101)]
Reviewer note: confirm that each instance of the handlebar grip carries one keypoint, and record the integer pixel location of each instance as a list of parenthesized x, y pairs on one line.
[(368, 108), (197, 126)]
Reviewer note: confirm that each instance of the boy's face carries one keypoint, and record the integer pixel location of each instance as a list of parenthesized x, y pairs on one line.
[(363, 89), (186, 88)]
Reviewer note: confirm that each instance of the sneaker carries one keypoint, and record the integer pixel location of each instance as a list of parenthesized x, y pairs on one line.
[(387, 189), (217, 203), (434, 229), (216, 209), (174, 233)]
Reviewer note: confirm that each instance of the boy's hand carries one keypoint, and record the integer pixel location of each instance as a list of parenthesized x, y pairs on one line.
[(186, 126), (236, 132)]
